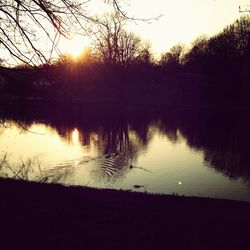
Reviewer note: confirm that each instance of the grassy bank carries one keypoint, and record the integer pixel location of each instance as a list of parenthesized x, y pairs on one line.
[(42, 216)]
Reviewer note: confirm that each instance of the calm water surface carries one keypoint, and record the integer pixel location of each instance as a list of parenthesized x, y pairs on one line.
[(187, 152)]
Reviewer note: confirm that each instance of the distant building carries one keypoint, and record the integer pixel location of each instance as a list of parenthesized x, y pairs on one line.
[(3, 81), (42, 82)]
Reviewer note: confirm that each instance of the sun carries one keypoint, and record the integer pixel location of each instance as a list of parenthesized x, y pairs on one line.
[(75, 46)]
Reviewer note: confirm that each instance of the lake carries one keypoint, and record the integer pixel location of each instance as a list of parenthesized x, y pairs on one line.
[(191, 152)]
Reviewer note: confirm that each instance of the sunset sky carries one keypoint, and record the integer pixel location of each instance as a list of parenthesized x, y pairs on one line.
[(182, 20)]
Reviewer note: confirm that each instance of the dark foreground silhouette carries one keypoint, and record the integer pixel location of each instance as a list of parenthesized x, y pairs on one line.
[(42, 216)]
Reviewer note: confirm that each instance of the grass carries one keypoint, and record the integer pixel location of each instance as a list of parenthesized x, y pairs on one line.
[(46, 216)]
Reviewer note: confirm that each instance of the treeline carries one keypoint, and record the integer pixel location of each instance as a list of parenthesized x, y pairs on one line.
[(225, 55), (221, 62), (120, 66)]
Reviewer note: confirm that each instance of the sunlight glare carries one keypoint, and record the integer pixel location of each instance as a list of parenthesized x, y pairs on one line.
[(75, 46)]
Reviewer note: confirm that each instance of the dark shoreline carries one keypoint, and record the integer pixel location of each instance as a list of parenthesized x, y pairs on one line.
[(45, 216), (104, 103)]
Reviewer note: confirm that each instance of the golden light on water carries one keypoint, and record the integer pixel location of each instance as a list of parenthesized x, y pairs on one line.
[(75, 136)]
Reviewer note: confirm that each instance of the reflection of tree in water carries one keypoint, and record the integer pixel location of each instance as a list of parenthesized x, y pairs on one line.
[(223, 137), (168, 124), (2, 126), (118, 139), (141, 127), (118, 149), (31, 170), (122, 140), (231, 154), (116, 144), (115, 138)]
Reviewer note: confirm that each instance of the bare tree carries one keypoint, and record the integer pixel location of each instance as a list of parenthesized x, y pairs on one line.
[(144, 54), (113, 44), (129, 46), (173, 57), (31, 28)]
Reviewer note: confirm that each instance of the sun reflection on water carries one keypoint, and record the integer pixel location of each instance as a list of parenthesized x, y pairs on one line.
[(75, 137)]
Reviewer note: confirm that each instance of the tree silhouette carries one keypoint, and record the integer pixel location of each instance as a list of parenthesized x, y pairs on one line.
[(113, 44), (145, 56), (28, 28), (223, 54), (172, 58), (195, 57)]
